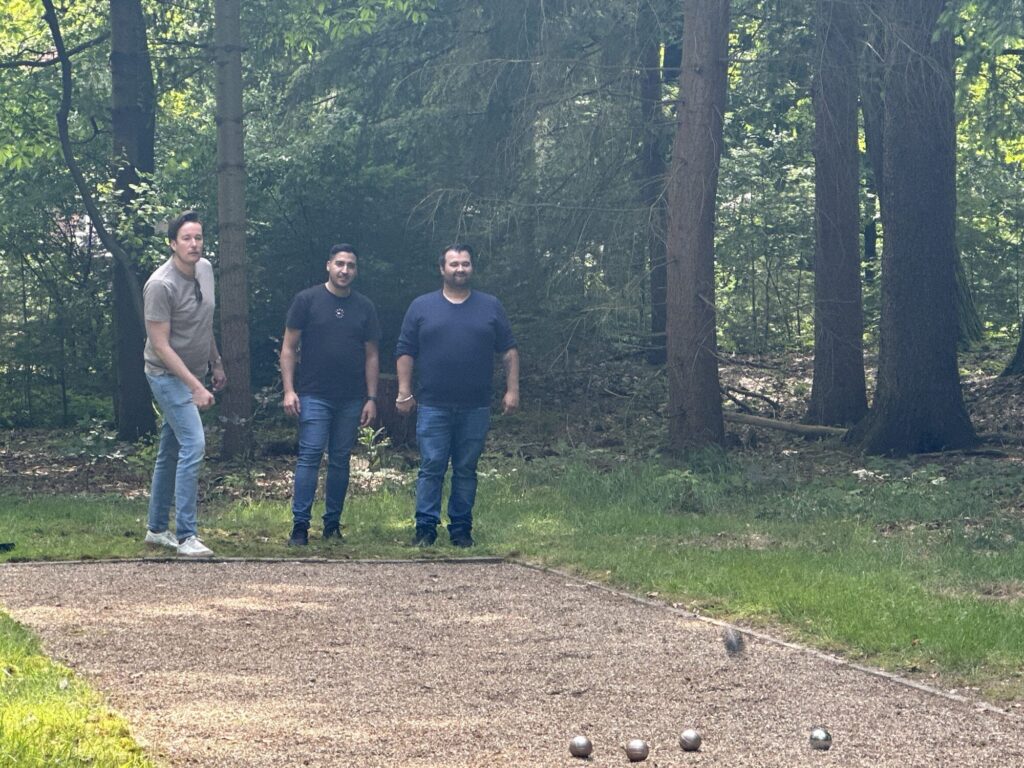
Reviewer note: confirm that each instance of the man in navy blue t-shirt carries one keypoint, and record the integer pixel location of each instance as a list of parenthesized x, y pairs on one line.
[(330, 367), (451, 337)]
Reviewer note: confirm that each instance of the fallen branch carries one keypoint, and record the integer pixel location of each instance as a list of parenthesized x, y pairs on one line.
[(786, 426)]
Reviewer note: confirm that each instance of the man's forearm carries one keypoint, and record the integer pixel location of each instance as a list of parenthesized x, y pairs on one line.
[(510, 360), (372, 370), (403, 367), (287, 362)]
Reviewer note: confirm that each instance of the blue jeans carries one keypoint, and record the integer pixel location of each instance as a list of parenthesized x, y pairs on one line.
[(456, 434), (331, 425), (179, 458)]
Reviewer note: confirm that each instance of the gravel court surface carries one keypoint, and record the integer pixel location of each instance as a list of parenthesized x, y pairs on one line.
[(232, 663)]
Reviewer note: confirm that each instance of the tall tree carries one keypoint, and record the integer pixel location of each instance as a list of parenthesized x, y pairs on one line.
[(694, 397), (133, 125), (236, 403), (838, 391), (109, 240), (918, 404)]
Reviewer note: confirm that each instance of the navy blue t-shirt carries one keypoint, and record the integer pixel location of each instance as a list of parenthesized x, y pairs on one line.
[(454, 347), (335, 330)]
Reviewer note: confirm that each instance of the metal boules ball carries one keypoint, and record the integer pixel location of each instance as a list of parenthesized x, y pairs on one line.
[(733, 641), (637, 750), (690, 740), (820, 738), (580, 746)]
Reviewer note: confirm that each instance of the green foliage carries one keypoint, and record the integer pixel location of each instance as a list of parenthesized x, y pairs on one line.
[(375, 444), (49, 718), (401, 125)]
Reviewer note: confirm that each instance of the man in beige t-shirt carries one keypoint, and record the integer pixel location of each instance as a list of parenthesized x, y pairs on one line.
[(180, 351)]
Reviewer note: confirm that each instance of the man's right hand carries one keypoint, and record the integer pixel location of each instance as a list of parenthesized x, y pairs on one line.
[(203, 398), (291, 404), (405, 407)]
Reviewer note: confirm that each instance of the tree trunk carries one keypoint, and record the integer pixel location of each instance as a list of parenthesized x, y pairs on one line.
[(838, 391), (918, 405), (969, 325), (1016, 366), (694, 398), (133, 109), (236, 402), (651, 173)]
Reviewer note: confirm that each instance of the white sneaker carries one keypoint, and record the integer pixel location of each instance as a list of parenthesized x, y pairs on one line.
[(193, 547), (162, 539)]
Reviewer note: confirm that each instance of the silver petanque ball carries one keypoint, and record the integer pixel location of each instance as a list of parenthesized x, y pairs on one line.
[(637, 750), (580, 746), (733, 641), (690, 740), (820, 738)]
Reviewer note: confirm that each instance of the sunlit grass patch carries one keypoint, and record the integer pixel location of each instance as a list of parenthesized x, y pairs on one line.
[(49, 718)]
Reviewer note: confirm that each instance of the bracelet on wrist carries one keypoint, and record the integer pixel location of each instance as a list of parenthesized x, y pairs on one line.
[(404, 399), (371, 398)]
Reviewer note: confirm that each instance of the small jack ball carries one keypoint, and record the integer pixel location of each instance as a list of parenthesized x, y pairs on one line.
[(690, 740), (580, 746), (637, 750), (820, 738)]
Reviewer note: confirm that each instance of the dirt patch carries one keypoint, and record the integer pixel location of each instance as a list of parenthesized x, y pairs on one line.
[(460, 664)]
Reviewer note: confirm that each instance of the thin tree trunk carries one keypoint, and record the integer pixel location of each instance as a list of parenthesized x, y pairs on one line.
[(236, 402), (918, 405), (838, 391), (694, 400)]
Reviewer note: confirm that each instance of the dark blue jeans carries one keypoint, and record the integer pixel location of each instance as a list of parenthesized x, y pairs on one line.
[(446, 434), (331, 425)]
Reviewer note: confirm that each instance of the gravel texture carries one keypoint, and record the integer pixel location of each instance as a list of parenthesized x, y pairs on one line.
[(461, 664)]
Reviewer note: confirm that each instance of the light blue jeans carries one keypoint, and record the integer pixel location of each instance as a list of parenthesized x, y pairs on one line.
[(331, 425), (179, 458), (456, 434)]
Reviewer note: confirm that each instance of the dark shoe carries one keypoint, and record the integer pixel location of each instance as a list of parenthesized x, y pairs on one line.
[(461, 539), (425, 536), (300, 536), (333, 533)]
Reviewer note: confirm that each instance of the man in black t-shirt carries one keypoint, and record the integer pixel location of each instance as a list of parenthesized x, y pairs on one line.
[(330, 369)]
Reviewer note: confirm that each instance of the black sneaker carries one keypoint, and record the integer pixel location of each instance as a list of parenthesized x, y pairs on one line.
[(300, 535), (425, 536), (461, 539), (332, 533)]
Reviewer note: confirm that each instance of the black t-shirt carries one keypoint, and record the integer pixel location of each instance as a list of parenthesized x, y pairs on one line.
[(335, 329)]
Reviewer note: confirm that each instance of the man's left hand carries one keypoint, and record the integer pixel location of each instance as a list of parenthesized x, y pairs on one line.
[(219, 379), (510, 403), (369, 414)]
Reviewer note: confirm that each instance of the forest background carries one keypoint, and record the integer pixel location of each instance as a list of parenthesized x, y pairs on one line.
[(542, 133)]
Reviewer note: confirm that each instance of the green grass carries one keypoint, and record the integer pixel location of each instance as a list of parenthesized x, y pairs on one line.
[(913, 568), (48, 718)]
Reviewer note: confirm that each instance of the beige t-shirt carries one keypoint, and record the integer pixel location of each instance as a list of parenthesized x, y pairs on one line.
[(170, 296)]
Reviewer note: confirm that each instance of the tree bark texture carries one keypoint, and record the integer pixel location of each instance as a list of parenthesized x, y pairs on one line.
[(236, 402), (838, 391), (694, 399), (133, 125), (918, 405), (969, 325), (651, 173)]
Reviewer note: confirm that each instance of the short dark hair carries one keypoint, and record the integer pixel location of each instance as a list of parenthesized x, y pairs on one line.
[(188, 217), (458, 248), (342, 248)]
